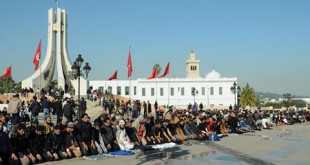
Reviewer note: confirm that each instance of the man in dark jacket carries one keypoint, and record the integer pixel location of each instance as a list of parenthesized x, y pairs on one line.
[(45, 106), (144, 109), (58, 110), (7, 155), (149, 107), (21, 145), (38, 145), (34, 108), (83, 106), (156, 109), (68, 111), (200, 107), (86, 136), (55, 145), (108, 136), (70, 141), (98, 139)]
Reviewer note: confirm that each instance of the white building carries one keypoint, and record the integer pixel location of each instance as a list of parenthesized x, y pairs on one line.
[(212, 90)]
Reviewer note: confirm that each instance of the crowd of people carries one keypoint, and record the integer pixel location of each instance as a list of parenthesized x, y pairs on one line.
[(121, 126)]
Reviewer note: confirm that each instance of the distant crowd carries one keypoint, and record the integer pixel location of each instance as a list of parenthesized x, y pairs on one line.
[(122, 126)]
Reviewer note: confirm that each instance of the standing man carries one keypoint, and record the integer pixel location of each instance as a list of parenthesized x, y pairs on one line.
[(68, 111), (82, 106), (156, 109), (144, 109), (58, 110), (34, 108), (135, 109), (14, 108), (45, 106), (149, 107), (200, 106)]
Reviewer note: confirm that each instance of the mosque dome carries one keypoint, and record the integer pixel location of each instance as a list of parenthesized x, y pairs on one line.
[(213, 75)]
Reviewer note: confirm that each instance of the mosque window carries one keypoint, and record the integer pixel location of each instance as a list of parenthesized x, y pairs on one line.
[(143, 91), (220, 90), (119, 90), (101, 89), (211, 91), (152, 92), (172, 91), (127, 90), (135, 90), (203, 91), (161, 91), (182, 91)]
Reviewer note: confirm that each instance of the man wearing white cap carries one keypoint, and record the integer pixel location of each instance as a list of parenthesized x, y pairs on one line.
[(122, 138)]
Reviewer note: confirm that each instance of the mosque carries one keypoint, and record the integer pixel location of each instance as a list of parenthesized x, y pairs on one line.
[(213, 91)]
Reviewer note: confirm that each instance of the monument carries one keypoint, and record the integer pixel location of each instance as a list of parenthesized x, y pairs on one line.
[(56, 56)]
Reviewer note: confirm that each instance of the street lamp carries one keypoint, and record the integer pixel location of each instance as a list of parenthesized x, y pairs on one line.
[(235, 90), (76, 72), (288, 97), (194, 93)]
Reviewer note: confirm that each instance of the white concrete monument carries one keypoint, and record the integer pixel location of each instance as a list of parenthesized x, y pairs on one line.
[(56, 56)]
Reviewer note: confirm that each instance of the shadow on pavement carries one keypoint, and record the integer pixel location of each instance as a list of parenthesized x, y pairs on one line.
[(161, 154)]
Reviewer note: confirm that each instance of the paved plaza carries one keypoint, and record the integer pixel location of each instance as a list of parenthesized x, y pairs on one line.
[(282, 145)]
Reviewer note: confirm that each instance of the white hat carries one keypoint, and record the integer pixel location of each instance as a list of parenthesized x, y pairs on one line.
[(121, 122)]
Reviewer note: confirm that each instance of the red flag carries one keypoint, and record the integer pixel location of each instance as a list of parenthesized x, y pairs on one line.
[(114, 76), (153, 75), (167, 71), (7, 73), (129, 64), (37, 56)]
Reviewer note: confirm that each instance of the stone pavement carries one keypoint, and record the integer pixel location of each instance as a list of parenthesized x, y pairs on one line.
[(282, 145)]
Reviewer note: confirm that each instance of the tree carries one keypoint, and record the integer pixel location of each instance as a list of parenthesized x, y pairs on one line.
[(6, 85), (247, 97), (158, 69)]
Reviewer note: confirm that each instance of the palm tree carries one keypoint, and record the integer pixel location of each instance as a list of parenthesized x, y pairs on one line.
[(247, 97), (158, 69)]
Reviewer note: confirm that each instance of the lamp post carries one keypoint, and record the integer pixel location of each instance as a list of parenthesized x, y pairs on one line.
[(76, 72), (288, 97), (194, 93), (235, 90)]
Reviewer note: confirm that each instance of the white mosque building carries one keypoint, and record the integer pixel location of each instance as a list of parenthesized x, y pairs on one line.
[(213, 91)]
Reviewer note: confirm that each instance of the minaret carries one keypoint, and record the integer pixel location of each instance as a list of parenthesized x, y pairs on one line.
[(192, 66)]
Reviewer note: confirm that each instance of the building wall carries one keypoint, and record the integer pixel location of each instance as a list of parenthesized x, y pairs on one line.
[(179, 85)]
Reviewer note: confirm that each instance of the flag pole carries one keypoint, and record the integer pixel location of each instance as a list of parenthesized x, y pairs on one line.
[(130, 76), (156, 89), (168, 91), (40, 81), (7, 84), (116, 87), (40, 69), (130, 89)]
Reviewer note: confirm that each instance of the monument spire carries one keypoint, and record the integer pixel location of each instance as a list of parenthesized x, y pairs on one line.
[(56, 4), (57, 48)]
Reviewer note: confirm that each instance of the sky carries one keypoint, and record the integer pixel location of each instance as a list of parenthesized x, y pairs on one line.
[(265, 43)]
